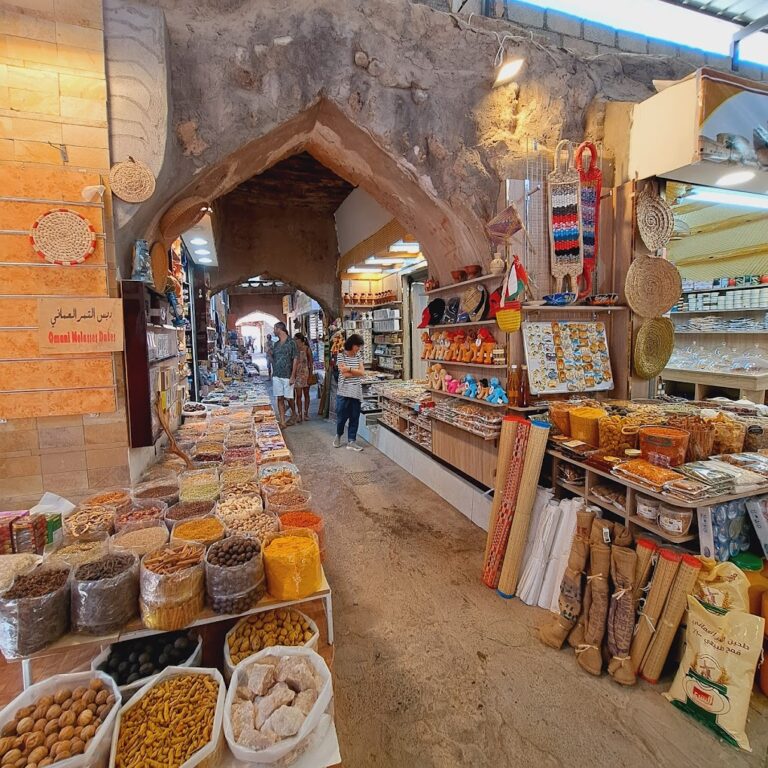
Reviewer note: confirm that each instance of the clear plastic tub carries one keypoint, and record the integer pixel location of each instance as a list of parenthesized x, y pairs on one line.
[(199, 485), (290, 500), (664, 446), (165, 489), (675, 520), (647, 508), (141, 511)]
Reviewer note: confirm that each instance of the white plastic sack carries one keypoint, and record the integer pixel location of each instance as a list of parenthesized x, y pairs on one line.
[(208, 756), (229, 667), (558, 561), (97, 754), (314, 727), (129, 689)]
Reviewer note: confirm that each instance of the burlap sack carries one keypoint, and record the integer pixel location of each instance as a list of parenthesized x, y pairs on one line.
[(621, 615), (588, 652)]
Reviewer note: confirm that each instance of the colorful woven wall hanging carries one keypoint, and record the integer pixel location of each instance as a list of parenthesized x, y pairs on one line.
[(565, 218), (591, 179)]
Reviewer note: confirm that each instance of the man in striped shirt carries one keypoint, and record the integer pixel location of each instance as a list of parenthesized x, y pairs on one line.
[(349, 395)]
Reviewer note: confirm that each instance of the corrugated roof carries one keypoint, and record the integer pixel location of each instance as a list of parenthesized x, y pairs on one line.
[(738, 11)]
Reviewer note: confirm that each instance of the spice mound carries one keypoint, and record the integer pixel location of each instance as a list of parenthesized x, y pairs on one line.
[(56, 727), (106, 567), (140, 541), (169, 724), (37, 583), (203, 529), (172, 559)]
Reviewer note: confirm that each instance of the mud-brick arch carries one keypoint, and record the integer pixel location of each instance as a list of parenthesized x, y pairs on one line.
[(243, 304)]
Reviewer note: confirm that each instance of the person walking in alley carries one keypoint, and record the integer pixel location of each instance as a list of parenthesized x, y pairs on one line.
[(350, 392), (269, 347), (285, 358), (303, 369)]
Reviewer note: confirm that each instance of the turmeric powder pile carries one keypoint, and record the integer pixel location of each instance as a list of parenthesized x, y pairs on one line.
[(204, 529), (292, 566), (169, 724)]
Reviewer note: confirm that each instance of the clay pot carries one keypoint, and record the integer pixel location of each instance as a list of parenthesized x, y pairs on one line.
[(498, 265), (473, 270), (458, 275)]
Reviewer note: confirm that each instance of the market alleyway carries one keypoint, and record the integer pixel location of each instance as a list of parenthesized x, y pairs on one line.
[(434, 670)]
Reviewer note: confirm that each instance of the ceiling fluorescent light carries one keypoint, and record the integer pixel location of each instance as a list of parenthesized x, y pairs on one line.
[(364, 270), (735, 178), (205, 260), (724, 197), (202, 252), (401, 247), (198, 241), (385, 260)]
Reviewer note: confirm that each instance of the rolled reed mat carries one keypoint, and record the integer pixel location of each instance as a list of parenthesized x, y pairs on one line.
[(646, 550), (506, 441), (677, 601), (495, 559), (518, 534), (648, 617)]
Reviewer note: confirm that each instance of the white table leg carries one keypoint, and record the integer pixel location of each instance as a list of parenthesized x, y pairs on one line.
[(329, 616), (26, 673)]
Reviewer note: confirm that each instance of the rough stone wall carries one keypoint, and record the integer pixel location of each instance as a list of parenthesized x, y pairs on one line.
[(394, 96), (295, 246)]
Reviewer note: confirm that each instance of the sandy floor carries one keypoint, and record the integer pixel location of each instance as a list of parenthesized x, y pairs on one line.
[(434, 670)]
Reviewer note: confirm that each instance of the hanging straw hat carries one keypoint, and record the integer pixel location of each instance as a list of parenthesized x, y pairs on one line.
[(182, 216), (653, 286), (159, 257), (62, 236), (132, 181), (655, 220), (653, 347)]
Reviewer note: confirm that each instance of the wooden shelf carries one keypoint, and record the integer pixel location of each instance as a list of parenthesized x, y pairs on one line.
[(372, 306), (468, 365), (468, 399), (721, 333), (576, 308), (716, 311), (606, 505), (726, 288), (457, 286), (436, 417), (721, 379), (579, 490), (649, 526), (460, 325)]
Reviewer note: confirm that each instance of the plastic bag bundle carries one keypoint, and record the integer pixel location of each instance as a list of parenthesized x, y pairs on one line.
[(34, 611), (234, 588), (292, 564), (105, 593), (714, 680)]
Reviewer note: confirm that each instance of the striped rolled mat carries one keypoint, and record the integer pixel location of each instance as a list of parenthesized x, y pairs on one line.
[(677, 602), (500, 532), (506, 443), (518, 534), (648, 618)]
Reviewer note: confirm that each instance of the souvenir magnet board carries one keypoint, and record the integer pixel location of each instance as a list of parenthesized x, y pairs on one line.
[(567, 356)]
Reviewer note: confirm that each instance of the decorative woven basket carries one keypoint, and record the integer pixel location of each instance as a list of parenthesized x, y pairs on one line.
[(470, 299), (62, 236), (655, 220), (182, 216), (158, 255), (510, 317), (132, 181), (653, 347), (653, 286), (504, 225)]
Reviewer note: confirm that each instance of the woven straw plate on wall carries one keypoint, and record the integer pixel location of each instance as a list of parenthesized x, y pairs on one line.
[(132, 181), (62, 236), (655, 220), (653, 286), (653, 347)]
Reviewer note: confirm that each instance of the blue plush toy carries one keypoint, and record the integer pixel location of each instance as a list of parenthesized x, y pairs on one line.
[(471, 386), (497, 393)]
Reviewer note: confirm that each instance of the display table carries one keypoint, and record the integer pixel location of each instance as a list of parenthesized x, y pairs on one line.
[(628, 515), (207, 616)]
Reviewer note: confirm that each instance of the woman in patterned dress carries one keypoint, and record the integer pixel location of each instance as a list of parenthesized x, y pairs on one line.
[(303, 369)]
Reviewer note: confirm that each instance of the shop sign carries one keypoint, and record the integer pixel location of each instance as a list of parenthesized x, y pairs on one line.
[(66, 326)]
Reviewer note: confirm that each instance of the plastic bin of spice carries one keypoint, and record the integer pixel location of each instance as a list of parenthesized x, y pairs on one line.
[(584, 421), (234, 574), (141, 512), (292, 564), (34, 610), (647, 508), (663, 446), (205, 530), (186, 509), (196, 741), (305, 519), (289, 500), (105, 593), (165, 490), (86, 520), (76, 551), (199, 485), (140, 538)]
